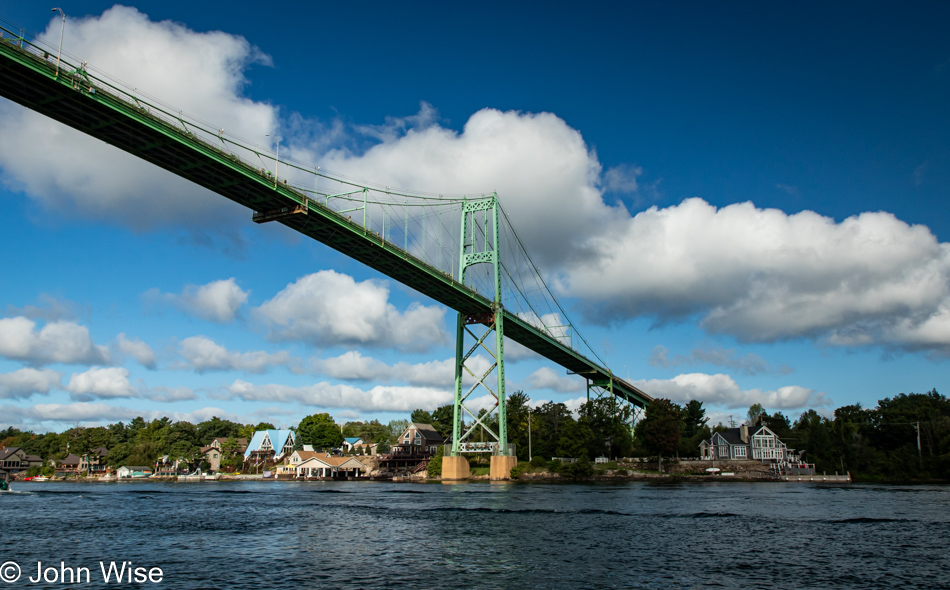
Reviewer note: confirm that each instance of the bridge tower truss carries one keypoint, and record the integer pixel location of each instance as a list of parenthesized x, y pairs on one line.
[(479, 244)]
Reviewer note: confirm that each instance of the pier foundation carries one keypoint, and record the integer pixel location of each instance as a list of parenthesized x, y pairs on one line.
[(456, 468), (501, 467)]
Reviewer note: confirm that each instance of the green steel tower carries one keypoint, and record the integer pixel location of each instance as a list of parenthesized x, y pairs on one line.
[(479, 245)]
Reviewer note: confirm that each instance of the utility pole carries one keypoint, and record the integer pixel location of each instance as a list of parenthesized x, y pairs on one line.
[(920, 457), (529, 434)]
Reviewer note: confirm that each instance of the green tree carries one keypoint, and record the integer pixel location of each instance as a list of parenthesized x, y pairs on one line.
[(778, 424), (580, 469), (374, 432), (609, 424), (549, 423), (442, 419), (694, 418), (434, 468), (756, 412), (813, 432), (320, 431), (575, 440), (394, 430), (695, 430), (185, 452), (214, 428), (516, 411), (661, 428), (230, 457), (420, 416)]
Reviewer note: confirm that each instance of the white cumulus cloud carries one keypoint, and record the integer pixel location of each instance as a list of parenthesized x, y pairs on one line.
[(168, 395), (354, 366), (101, 383), (217, 301), (764, 275), (326, 395), (328, 308), (137, 349), (749, 363), (544, 172), (25, 382), (56, 342), (722, 390), (203, 354)]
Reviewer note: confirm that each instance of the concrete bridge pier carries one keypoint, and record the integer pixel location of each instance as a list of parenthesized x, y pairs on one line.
[(501, 466), (455, 468), (458, 469)]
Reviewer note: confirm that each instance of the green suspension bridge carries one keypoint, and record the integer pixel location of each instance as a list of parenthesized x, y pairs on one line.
[(461, 250)]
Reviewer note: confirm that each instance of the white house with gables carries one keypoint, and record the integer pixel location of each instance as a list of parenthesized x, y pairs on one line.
[(321, 464), (744, 443), (270, 445)]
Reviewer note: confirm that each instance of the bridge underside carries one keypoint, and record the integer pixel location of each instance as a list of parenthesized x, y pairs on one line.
[(71, 99)]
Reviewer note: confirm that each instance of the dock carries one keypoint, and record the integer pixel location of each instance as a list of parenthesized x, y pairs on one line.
[(846, 478)]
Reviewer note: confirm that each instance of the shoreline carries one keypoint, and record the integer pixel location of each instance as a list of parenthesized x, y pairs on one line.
[(530, 477), (541, 477)]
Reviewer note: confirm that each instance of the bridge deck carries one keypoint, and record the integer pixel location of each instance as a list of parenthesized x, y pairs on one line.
[(73, 100)]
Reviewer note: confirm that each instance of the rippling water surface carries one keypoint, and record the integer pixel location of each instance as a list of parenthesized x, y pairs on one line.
[(244, 535)]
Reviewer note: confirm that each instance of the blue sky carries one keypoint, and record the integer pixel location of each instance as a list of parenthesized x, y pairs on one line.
[(735, 203)]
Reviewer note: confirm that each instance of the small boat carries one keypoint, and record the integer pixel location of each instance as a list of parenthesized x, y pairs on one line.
[(40, 478)]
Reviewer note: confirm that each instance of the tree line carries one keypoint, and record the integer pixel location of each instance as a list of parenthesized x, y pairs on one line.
[(873, 443), (904, 438)]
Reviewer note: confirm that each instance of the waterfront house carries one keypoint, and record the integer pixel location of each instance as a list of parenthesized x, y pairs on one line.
[(94, 462), (68, 465), (212, 457), (214, 453), (746, 443), (168, 467), (324, 466), (269, 446), (298, 457), (12, 459), (418, 439), (414, 447)]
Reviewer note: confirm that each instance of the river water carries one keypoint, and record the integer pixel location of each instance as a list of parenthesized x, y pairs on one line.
[(237, 535)]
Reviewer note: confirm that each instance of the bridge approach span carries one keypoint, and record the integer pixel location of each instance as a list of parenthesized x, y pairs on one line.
[(70, 95)]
